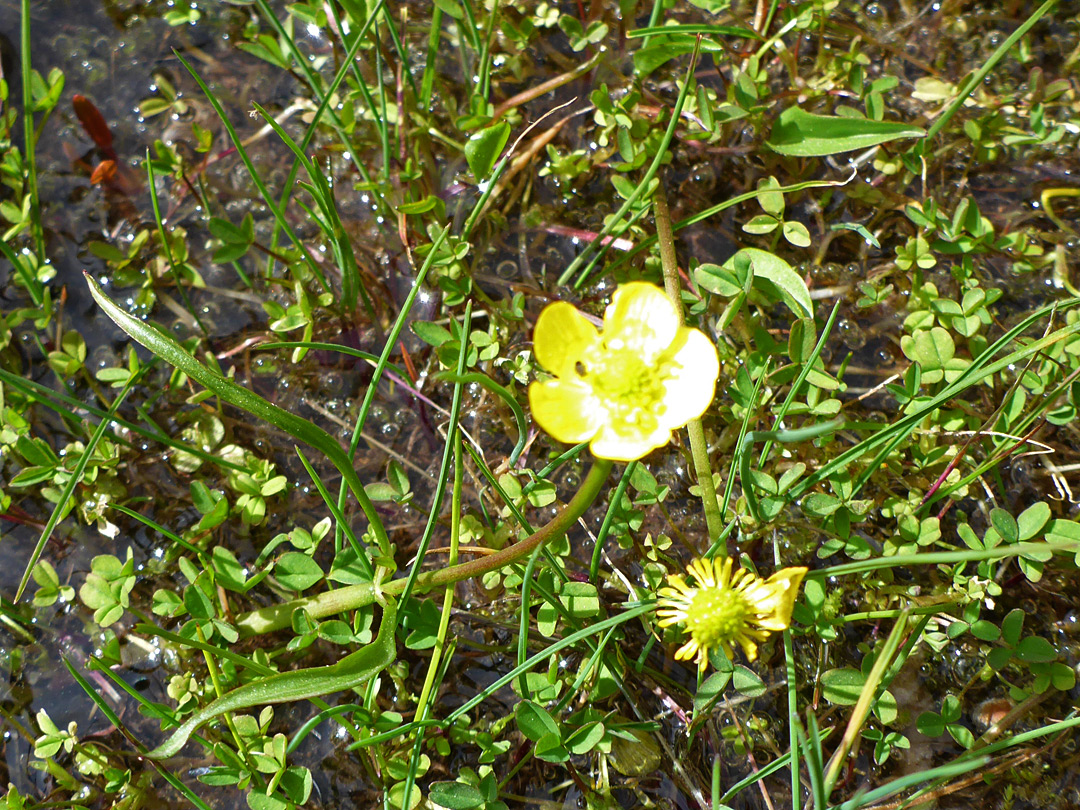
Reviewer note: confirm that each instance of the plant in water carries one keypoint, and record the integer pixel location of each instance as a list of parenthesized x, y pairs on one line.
[(624, 391), (884, 382)]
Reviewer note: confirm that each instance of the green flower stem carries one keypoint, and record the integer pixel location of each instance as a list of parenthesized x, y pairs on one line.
[(698, 448), (276, 617), (609, 519)]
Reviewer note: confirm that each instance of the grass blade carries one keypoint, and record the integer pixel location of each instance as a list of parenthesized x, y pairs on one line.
[(72, 482), (300, 429), (279, 214)]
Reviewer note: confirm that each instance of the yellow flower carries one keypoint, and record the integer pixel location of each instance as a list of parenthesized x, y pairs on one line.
[(625, 390), (724, 608)]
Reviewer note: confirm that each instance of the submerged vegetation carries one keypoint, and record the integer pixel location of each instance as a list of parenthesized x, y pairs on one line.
[(530, 404)]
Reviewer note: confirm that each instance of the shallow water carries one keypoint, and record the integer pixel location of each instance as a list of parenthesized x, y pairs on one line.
[(112, 54)]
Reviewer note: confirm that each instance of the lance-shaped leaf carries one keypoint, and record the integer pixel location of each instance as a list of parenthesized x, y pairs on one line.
[(165, 347), (802, 134)]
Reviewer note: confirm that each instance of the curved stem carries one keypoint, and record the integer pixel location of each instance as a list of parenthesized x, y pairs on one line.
[(276, 617)]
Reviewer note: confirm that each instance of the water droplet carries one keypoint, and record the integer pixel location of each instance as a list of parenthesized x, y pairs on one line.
[(852, 335)]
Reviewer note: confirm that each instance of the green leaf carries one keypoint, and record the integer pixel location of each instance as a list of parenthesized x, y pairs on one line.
[(484, 148), (718, 280), (842, 686), (1011, 627), (711, 689), (227, 232), (950, 709), (1032, 520), (297, 783), (885, 708), (431, 333), (551, 749), (930, 724), (998, 657), (962, 734), (197, 603), (985, 631), (646, 60), (797, 234), (770, 200), (36, 452), (801, 134), (230, 252), (1062, 677), (227, 569), (585, 738), (203, 498), (818, 504), (154, 106), (761, 224), (580, 599), (166, 603), (397, 797), (776, 278), (932, 349), (1036, 650), (534, 721), (455, 795), (378, 491), (103, 250), (397, 477), (747, 682), (297, 571), (547, 619), (451, 9), (428, 203), (1005, 524), (260, 801)]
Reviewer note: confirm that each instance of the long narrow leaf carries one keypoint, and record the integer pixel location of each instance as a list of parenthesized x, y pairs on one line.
[(53, 399), (183, 789), (279, 213), (69, 487), (335, 231), (300, 429)]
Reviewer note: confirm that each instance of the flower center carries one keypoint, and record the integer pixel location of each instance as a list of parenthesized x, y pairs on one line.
[(631, 386), (716, 614)]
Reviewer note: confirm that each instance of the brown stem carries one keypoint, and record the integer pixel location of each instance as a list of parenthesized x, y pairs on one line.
[(276, 617)]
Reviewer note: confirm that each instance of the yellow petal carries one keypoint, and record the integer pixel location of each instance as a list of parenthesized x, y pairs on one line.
[(691, 384), (561, 337), (626, 445), (642, 317), (566, 409), (668, 618), (677, 587), (784, 588), (749, 648), (687, 651)]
